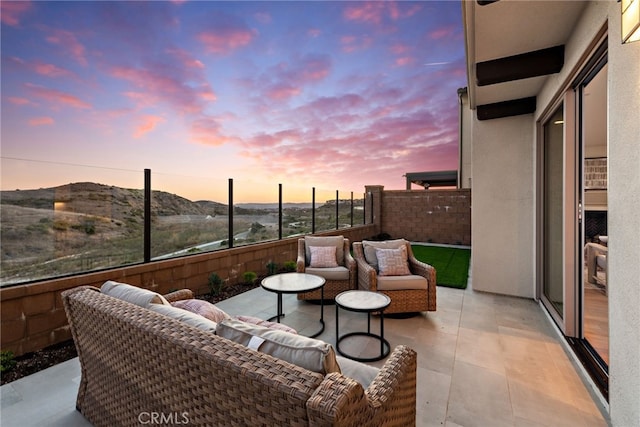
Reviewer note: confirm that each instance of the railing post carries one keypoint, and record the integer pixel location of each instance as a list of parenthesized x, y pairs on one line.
[(230, 213), (280, 211), (147, 215), (351, 210), (313, 210), (337, 210), (364, 208)]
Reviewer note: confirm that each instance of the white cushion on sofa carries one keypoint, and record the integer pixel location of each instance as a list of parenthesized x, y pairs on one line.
[(185, 316), (358, 371), (308, 353), (337, 241), (394, 283), (132, 294)]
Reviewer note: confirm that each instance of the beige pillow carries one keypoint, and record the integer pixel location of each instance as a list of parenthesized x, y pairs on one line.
[(202, 308), (369, 248), (185, 316), (308, 353), (393, 262), (132, 294), (362, 373), (323, 256), (336, 241)]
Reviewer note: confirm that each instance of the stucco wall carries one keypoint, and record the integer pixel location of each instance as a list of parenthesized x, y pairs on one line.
[(503, 206), (624, 225)]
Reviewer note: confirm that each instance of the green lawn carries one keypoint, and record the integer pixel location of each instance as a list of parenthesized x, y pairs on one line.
[(451, 264)]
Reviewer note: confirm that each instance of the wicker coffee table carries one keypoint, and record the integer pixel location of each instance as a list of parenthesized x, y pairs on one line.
[(294, 283), (364, 302)]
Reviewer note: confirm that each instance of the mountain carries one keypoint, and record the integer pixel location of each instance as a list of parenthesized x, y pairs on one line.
[(107, 200)]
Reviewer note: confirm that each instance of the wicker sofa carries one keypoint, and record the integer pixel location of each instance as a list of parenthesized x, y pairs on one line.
[(136, 363)]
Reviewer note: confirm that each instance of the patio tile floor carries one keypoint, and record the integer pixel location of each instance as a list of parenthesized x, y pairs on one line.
[(483, 360)]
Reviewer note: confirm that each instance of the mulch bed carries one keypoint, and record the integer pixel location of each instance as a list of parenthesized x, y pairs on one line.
[(31, 363)]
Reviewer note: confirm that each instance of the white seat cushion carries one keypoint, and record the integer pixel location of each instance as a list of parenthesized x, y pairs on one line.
[(308, 353), (397, 283), (333, 273)]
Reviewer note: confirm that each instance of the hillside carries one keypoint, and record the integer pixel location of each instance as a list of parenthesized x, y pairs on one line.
[(100, 200)]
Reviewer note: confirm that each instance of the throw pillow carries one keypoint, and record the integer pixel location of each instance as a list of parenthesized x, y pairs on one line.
[(266, 324), (185, 316), (132, 294), (392, 262), (202, 308), (369, 247), (308, 353), (336, 241), (323, 256)]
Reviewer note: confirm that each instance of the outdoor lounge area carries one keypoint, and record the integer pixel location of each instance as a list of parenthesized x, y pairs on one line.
[(483, 360)]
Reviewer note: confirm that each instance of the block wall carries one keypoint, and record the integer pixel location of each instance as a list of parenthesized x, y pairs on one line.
[(33, 316), (435, 216)]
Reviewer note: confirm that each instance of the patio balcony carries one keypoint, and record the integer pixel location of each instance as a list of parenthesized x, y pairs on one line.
[(483, 360)]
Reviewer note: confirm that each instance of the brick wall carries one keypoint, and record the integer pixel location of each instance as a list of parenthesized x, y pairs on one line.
[(33, 316), (437, 216)]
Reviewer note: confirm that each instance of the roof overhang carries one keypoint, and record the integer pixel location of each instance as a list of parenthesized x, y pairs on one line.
[(512, 47)]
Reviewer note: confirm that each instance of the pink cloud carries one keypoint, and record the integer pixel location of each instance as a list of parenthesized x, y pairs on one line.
[(369, 12), (69, 42), (404, 61), (148, 123), (208, 131), (57, 97), (352, 43), (158, 86), (18, 101), (288, 79), (399, 48), (314, 32), (12, 11), (282, 91), (442, 33), (39, 67), (41, 121), (226, 40)]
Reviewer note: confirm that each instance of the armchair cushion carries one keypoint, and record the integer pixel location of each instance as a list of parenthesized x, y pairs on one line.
[(335, 241), (400, 283), (323, 256), (334, 273), (392, 262), (370, 247)]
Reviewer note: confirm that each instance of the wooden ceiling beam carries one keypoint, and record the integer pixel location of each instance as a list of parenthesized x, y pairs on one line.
[(514, 107), (522, 66)]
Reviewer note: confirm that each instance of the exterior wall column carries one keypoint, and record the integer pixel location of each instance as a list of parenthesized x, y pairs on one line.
[(374, 213)]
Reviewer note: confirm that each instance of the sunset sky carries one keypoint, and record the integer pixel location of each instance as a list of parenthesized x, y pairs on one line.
[(332, 95)]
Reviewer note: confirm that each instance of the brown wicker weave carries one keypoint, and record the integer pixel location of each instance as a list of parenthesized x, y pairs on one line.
[(405, 300), (136, 363), (331, 287)]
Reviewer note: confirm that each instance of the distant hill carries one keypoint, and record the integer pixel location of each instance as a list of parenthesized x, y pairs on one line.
[(107, 200)]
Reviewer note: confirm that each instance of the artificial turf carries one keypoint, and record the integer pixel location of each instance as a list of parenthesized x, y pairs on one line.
[(451, 264)]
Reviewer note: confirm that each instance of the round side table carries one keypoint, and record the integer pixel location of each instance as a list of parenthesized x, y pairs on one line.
[(294, 283), (363, 302)]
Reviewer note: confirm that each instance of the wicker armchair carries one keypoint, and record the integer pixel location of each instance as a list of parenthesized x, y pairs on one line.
[(409, 294), (337, 279)]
